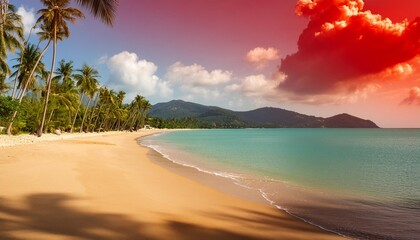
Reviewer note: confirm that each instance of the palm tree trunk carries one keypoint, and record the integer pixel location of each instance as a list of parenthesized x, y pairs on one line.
[(22, 93), (142, 118), (93, 111), (97, 117), (14, 91), (113, 125), (104, 120), (126, 121), (41, 126), (50, 117), (84, 115), (77, 111)]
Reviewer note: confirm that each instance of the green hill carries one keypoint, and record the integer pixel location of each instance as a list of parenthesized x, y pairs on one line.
[(216, 117)]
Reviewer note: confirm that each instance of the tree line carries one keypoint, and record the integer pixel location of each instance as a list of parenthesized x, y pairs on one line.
[(40, 100)]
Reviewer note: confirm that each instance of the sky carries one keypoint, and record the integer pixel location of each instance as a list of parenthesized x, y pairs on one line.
[(317, 57)]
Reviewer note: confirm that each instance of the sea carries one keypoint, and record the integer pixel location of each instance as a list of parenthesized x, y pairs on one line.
[(359, 183)]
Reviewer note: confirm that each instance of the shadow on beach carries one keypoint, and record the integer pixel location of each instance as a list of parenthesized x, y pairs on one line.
[(362, 219), (52, 215)]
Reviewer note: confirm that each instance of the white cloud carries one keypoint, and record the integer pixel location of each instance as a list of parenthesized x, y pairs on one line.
[(136, 76), (260, 56), (28, 18), (258, 86), (196, 75), (196, 83)]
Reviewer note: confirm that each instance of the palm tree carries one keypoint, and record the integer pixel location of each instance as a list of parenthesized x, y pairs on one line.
[(28, 58), (146, 106), (11, 36), (90, 94), (63, 91), (30, 63), (55, 18), (103, 9), (108, 99), (44, 34), (102, 91), (138, 109), (64, 73), (4, 5), (63, 97), (88, 84)]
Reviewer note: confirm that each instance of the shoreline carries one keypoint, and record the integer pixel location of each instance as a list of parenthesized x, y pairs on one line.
[(225, 184), (108, 187)]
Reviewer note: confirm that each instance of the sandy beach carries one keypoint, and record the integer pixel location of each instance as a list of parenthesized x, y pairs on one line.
[(109, 187)]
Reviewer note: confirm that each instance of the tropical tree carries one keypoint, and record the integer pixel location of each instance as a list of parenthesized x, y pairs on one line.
[(27, 62), (103, 9), (64, 77), (4, 5), (29, 66), (64, 94), (107, 101), (119, 111), (93, 88), (87, 82), (98, 94), (54, 19), (11, 37), (146, 106), (138, 110), (63, 99)]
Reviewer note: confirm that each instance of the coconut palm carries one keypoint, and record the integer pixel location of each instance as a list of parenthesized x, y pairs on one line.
[(63, 97), (146, 106), (54, 18), (63, 91), (44, 34), (4, 5), (99, 101), (138, 109), (103, 9), (29, 65), (27, 61), (87, 82), (90, 93), (107, 100), (64, 77), (11, 37)]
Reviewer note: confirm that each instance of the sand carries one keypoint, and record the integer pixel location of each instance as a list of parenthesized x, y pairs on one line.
[(108, 187)]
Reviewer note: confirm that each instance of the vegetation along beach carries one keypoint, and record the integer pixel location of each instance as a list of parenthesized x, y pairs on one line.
[(221, 119)]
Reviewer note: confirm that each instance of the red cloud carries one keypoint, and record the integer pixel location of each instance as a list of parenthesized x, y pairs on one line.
[(342, 44), (413, 97)]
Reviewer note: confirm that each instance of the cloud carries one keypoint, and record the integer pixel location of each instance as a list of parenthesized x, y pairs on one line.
[(343, 48), (260, 56), (258, 86), (196, 82), (135, 76), (413, 97), (196, 75), (28, 18)]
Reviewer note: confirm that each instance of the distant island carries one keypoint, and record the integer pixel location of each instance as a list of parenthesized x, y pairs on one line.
[(181, 114)]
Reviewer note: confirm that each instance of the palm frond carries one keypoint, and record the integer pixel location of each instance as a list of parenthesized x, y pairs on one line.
[(103, 9)]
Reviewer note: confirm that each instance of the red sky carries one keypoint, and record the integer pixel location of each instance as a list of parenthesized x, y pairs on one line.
[(227, 53)]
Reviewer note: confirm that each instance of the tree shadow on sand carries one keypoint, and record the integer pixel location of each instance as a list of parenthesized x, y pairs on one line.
[(54, 215)]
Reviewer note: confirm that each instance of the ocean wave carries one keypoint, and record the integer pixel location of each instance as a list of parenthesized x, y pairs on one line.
[(228, 175)]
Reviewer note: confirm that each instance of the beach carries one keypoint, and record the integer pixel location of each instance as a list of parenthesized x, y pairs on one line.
[(110, 187)]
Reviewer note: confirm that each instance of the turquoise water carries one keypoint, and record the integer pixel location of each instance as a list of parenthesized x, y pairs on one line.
[(369, 177)]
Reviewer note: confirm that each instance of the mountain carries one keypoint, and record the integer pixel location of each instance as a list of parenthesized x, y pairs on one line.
[(216, 117)]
